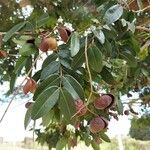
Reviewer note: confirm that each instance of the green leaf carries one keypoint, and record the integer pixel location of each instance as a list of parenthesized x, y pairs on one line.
[(27, 49), (20, 64), (95, 58), (75, 44), (42, 20), (47, 118), (73, 87), (99, 35), (131, 60), (67, 105), (52, 80), (12, 31), (107, 76), (28, 65), (119, 106), (104, 137), (27, 117), (49, 59), (12, 82), (95, 145), (61, 143), (53, 67), (45, 102), (113, 14), (78, 60)]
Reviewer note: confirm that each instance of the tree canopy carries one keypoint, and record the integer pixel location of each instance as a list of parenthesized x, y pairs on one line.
[(77, 58)]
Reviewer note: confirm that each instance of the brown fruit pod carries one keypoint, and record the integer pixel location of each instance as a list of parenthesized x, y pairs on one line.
[(64, 33), (97, 124), (104, 102), (49, 43), (3, 54), (30, 86)]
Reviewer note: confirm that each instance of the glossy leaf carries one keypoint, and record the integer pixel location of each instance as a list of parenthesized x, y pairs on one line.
[(66, 105), (119, 106), (113, 14), (52, 80), (53, 67), (73, 87), (45, 102), (95, 58), (12, 31), (75, 44), (49, 59)]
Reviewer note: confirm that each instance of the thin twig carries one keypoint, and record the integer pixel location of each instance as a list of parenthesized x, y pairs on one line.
[(141, 10), (15, 93)]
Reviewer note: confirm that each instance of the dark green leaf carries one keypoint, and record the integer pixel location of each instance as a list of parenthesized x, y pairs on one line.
[(47, 118), (53, 67), (73, 87), (107, 76), (49, 59), (95, 58), (12, 82), (45, 102), (27, 117), (20, 64), (113, 14), (119, 106), (61, 143), (78, 59), (95, 145), (42, 20), (28, 65), (27, 49), (12, 31), (75, 44), (131, 60), (104, 137), (67, 105), (52, 80)]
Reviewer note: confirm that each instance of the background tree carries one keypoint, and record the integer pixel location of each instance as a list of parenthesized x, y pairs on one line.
[(94, 55)]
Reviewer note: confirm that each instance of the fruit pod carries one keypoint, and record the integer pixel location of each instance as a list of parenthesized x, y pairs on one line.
[(3, 54), (48, 43), (81, 109), (64, 33), (98, 124), (104, 102)]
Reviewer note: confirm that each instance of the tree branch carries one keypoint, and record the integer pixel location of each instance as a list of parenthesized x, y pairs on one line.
[(143, 28), (17, 90)]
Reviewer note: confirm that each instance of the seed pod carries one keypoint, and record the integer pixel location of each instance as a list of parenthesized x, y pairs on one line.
[(30, 86), (64, 33), (48, 44), (104, 101), (97, 124)]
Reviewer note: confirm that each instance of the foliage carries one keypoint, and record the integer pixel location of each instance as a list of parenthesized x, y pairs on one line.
[(140, 128), (97, 50)]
